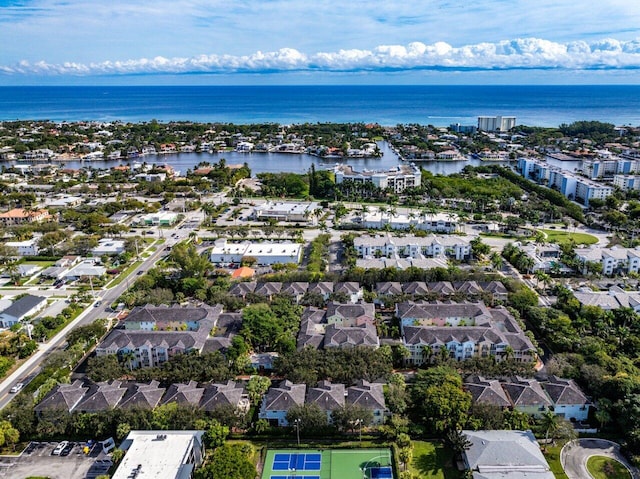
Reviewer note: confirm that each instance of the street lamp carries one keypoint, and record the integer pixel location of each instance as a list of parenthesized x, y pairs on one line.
[(296, 422), (359, 423)]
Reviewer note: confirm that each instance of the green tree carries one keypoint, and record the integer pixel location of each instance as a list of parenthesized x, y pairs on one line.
[(257, 386)]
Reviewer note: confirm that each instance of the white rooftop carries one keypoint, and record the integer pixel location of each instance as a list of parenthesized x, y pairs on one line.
[(156, 458)]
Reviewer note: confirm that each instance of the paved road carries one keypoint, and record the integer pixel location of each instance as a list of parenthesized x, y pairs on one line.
[(31, 366), (574, 456)]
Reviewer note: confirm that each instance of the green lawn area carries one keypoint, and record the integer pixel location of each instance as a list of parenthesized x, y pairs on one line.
[(601, 467), (122, 276), (552, 454), (432, 460), (554, 236)]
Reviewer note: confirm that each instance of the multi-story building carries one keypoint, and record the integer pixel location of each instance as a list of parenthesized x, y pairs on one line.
[(412, 247), (627, 182), (569, 184), (464, 331), (19, 216), (438, 222), (396, 179), (496, 123), (614, 260)]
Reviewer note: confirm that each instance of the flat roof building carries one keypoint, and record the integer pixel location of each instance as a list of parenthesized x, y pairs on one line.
[(397, 179), (265, 253), (165, 454), (287, 211)]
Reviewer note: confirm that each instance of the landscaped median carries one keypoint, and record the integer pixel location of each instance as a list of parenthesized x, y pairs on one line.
[(602, 467)]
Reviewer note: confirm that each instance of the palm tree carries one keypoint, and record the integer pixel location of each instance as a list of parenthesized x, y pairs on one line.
[(496, 260), (549, 423), (129, 357)]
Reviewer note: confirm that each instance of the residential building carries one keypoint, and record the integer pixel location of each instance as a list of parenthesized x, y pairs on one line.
[(350, 289), (431, 246), (464, 330), (63, 397), (85, 269), (25, 248), (327, 396), (571, 185), (103, 396), (609, 300), (486, 391), (546, 257), (230, 394), (352, 326), (496, 123), (183, 394), (627, 182), (437, 222), (166, 454), (19, 216), (278, 400), (288, 211), (568, 399), (155, 334), (527, 396), (142, 396), (505, 455), (614, 260), (109, 246), (25, 307), (396, 179), (266, 253), (369, 396)]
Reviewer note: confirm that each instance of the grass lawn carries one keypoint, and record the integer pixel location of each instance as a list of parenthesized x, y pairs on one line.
[(552, 454), (559, 237), (431, 460), (601, 467), (122, 276)]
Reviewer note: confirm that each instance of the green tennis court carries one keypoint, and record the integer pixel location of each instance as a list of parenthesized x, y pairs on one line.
[(328, 464)]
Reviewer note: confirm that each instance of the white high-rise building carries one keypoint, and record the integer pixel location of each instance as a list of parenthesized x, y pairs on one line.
[(496, 123)]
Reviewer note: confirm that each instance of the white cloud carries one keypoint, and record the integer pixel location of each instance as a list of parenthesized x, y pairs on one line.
[(521, 53)]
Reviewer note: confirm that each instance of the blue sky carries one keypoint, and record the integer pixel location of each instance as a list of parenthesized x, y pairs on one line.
[(320, 41)]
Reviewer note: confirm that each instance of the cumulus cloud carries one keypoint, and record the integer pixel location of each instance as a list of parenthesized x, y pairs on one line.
[(517, 54)]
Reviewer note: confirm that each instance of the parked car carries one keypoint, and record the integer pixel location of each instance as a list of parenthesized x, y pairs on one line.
[(16, 388), (67, 449), (59, 448)]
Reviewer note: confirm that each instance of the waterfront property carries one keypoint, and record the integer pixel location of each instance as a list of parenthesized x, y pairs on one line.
[(496, 123), (396, 179)]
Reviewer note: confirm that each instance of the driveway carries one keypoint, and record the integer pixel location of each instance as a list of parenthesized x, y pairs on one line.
[(574, 456)]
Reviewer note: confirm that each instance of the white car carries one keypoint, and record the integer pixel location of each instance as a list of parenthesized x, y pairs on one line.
[(16, 388), (59, 448)]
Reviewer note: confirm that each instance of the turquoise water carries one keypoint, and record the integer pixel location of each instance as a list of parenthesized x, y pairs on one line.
[(387, 105)]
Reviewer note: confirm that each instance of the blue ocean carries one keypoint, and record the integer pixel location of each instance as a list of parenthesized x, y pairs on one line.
[(388, 105)]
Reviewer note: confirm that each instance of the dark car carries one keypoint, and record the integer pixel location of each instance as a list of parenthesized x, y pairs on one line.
[(67, 449)]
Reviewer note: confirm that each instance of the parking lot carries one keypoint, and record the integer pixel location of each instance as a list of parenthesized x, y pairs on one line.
[(37, 460)]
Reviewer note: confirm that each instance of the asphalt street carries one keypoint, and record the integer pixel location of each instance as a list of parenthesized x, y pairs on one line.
[(575, 454)]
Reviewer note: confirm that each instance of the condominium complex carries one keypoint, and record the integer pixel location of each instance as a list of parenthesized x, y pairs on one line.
[(397, 179), (569, 184), (432, 246), (496, 123)]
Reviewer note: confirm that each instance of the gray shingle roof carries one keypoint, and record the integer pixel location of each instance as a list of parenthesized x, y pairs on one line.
[(564, 391), (182, 393), (327, 396), (295, 288), (142, 396), (284, 396), (323, 287), (23, 305), (167, 314), (415, 287), (336, 336), (243, 288), (486, 391), (349, 287), (389, 288), (367, 395), (217, 395), (63, 397), (526, 392), (351, 311), (268, 289), (312, 326), (102, 397)]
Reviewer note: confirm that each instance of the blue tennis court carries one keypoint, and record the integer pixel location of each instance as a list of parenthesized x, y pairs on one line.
[(295, 477), (296, 462), (381, 473)]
